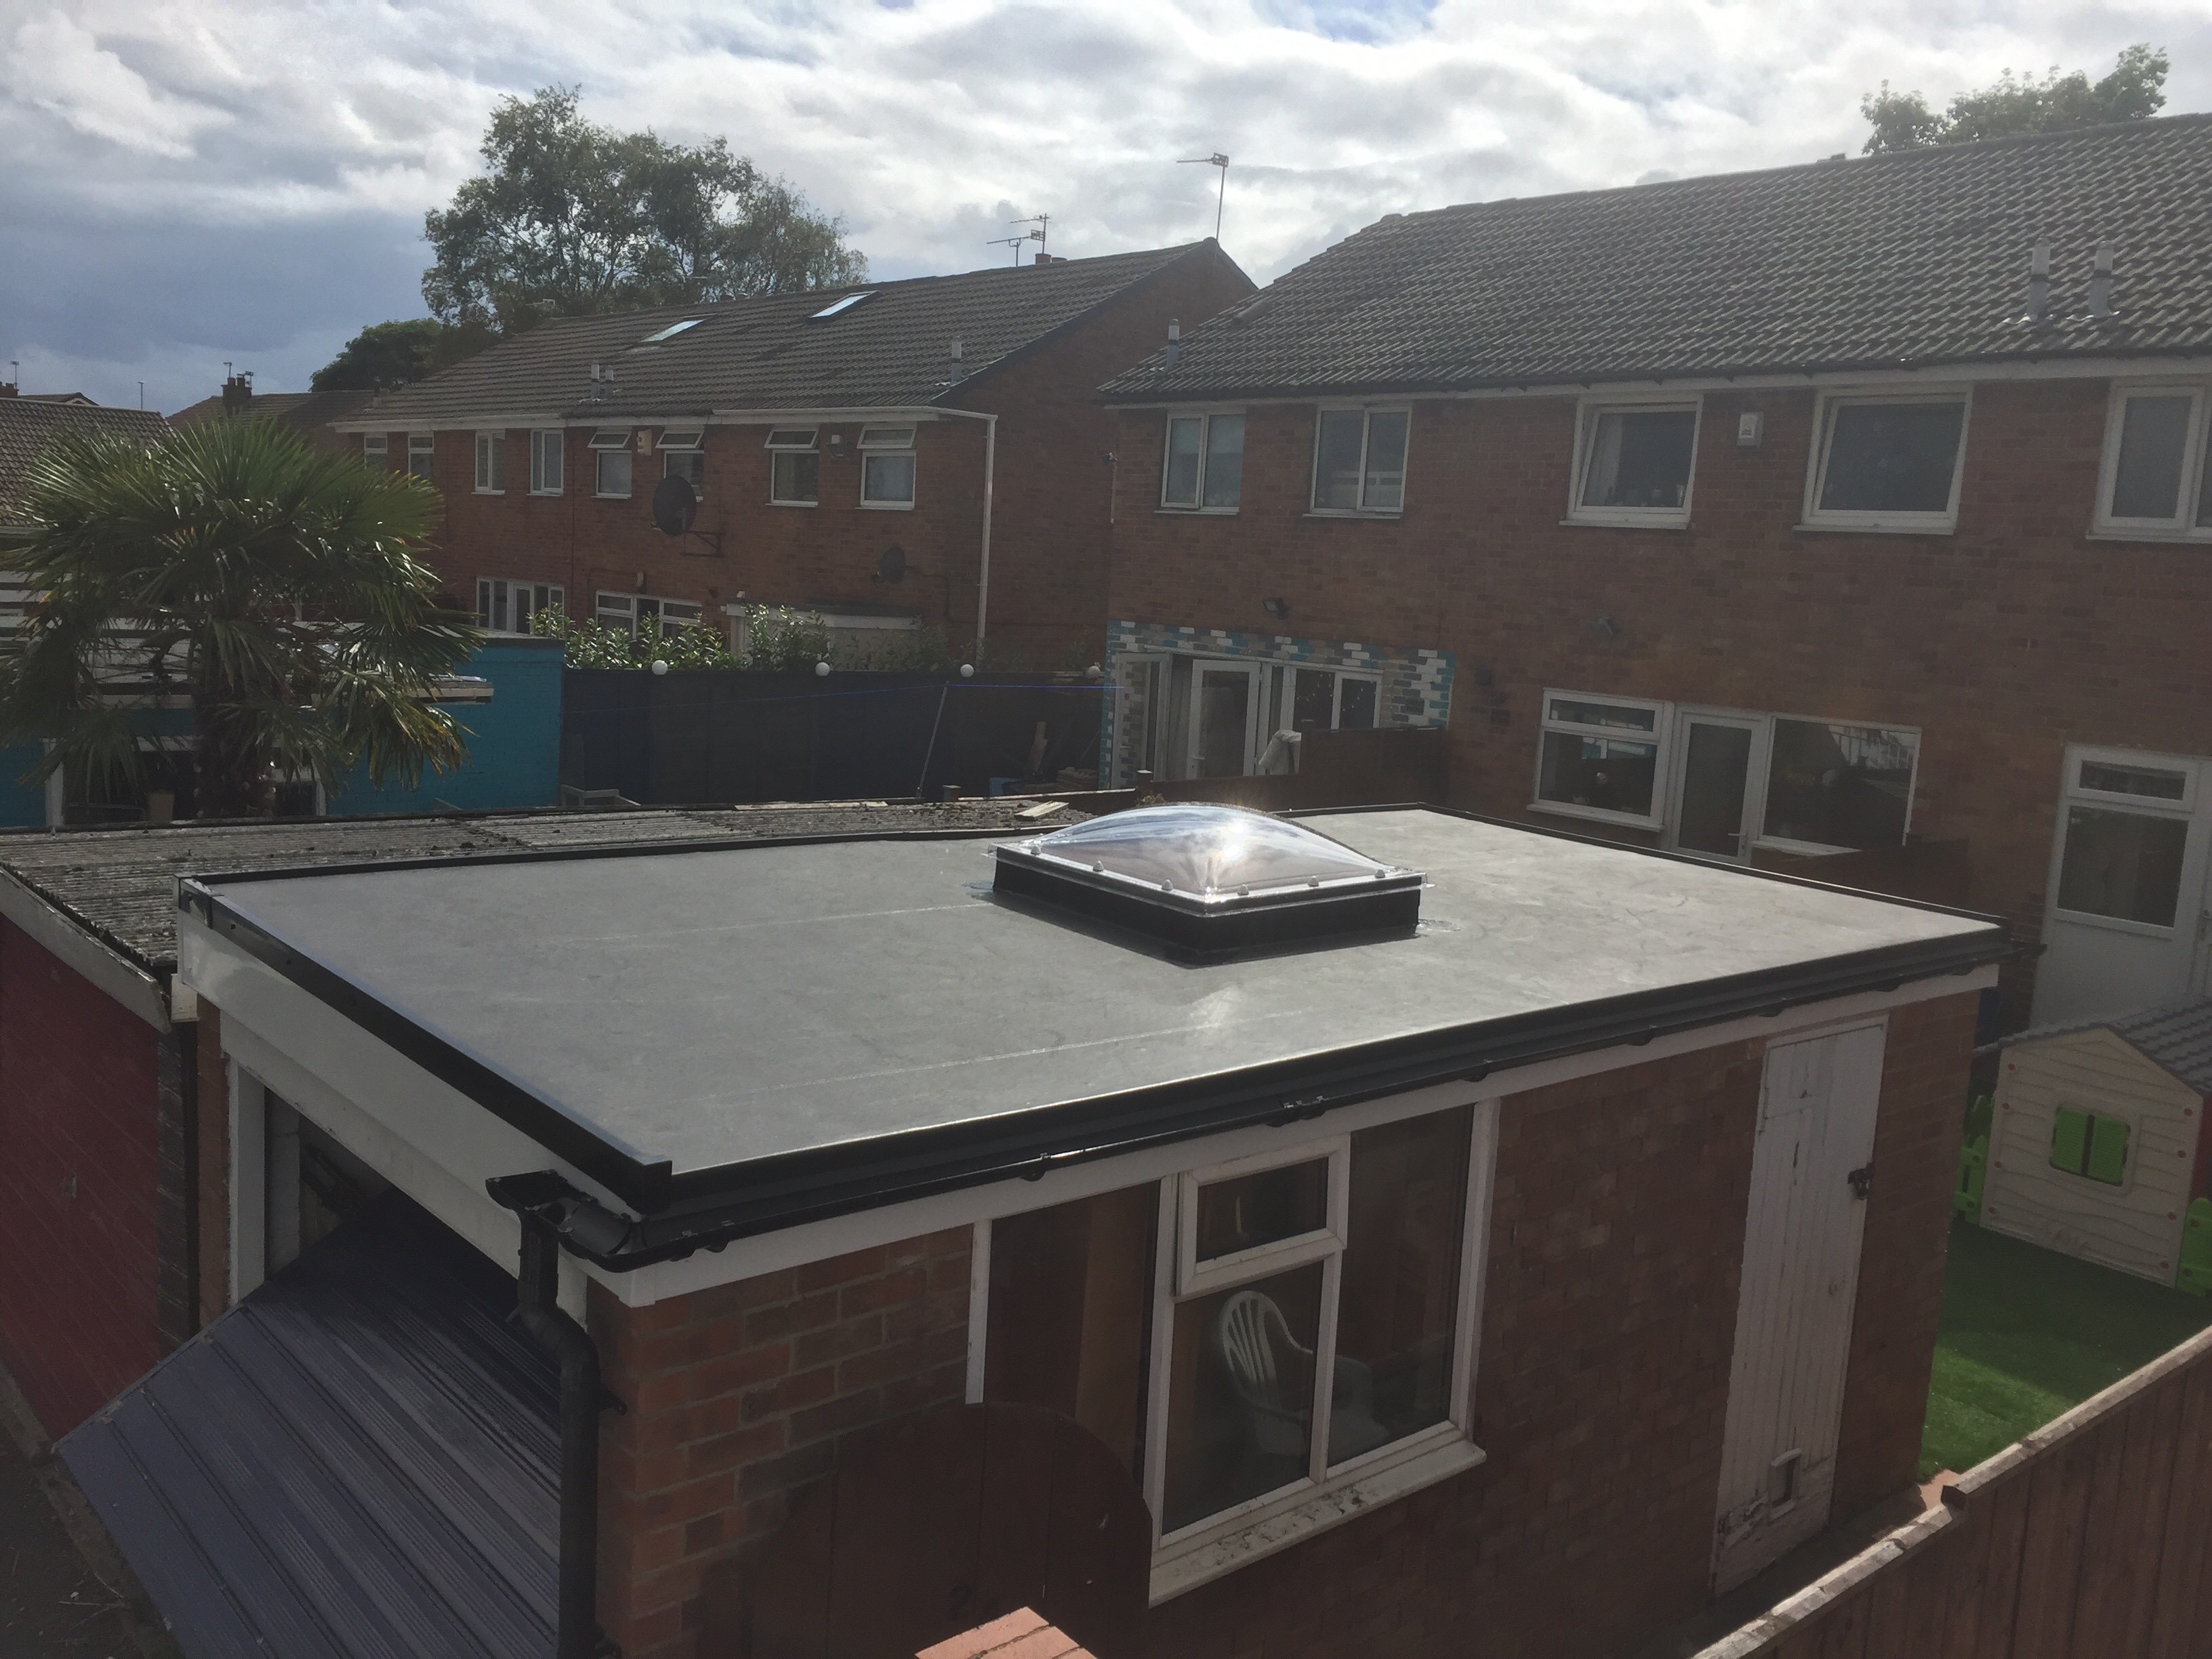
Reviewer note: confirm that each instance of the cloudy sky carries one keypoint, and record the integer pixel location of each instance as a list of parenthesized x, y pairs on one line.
[(188, 182)]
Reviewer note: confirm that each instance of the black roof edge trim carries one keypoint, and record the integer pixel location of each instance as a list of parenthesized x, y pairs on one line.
[(715, 1207)]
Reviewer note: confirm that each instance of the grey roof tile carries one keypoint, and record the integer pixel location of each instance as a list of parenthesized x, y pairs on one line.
[(29, 425), (1888, 261), (892, 349), (2177, 1036)]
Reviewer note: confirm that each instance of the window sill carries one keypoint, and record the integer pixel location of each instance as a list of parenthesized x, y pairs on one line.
[(1352, 513), (1626, 521), (1595, 814), (481, 490), (887, 507), (1899, 527), (2163, 536), (774, 502), (1198, 512), (602, 495), (549, 493), (1308, 1517)]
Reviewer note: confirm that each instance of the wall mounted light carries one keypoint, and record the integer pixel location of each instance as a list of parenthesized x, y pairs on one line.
[(1279, 608), (1605, 627), (1750, 427)]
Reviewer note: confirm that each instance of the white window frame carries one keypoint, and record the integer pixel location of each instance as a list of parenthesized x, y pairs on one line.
[(606, 441), (687, 441), (1287, 704), (424, 444), (1368, 411), (553, 441), (1195, 1278), (2072, 793), (627, 611), (2183, 527), (1205, 418), (876, 439), (1662, 737), (491, 463), (1586, 416), (791, 446), (1915, 524), (376, 450), (542, 595), (1763, 761)]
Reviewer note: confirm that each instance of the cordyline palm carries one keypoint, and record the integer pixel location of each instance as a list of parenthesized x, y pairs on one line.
[(279, 587)]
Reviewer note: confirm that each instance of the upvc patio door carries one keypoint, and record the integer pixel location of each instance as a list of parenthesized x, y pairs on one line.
[(1224, 717), (1718, 782)]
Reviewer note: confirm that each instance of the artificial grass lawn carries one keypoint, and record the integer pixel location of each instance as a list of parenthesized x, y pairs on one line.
[(2027, 1333)]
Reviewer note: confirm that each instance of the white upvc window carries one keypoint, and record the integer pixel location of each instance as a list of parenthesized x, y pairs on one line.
[(629, 611), (506, 607), (684, 455), (421, 452), (1633, 462), (1272, 1342), (1203, 470), (1887, 461), (2125, 843), (1330, 700), (2156, 480), (548, 449), (1603, 757), (376, 451), (794, 467), (491, 463), (611, 459), (887, 467), (1359, 460)]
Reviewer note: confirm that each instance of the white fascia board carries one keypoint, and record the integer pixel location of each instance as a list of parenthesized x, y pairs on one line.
[(844, 417), (1947, 374), (483, 423), (422, 1134), (371, 422), (140, 992), (817, 1241)]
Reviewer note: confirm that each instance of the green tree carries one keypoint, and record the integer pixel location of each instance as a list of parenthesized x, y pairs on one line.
[(278, 588), (387, 355), (571, 218), (2013, 106)]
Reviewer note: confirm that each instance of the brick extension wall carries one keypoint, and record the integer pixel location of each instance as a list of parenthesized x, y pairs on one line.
[(737, 1397), (80, 1230), (1610, 1301), (2003, 641), (1051, 492)]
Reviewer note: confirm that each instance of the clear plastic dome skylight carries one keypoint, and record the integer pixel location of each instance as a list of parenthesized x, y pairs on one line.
[(1210, 878)]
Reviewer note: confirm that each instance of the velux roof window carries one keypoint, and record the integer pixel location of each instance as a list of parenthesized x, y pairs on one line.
[(671, 331), (1205, 880), (843, 303)]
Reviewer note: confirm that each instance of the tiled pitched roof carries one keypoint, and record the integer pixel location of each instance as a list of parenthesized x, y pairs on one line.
[(1913, 258), (303, 410), (891, 350), (28, 425), (2176, 1037)]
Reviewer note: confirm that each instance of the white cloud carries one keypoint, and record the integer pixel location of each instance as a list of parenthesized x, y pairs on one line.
[(59, 65), (314, 133)]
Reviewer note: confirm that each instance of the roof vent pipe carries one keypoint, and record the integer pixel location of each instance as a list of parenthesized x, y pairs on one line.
[(2038, 283), (956, 348), (1175, 341), (2100, 282)]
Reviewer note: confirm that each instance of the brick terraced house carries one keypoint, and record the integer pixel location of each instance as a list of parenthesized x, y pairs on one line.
[(926, 452), (1860, 504), (1432, 1235)]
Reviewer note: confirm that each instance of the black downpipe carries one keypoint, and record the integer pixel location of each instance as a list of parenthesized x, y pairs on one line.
[(538, 1305)]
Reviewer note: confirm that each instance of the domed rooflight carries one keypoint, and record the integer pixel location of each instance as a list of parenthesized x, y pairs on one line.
[(1209, 879)]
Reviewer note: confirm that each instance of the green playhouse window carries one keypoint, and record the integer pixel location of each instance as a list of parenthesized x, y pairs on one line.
[(2085, 1143)]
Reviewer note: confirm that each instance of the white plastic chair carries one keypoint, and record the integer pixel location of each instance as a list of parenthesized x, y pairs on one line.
[(1249, 1332)]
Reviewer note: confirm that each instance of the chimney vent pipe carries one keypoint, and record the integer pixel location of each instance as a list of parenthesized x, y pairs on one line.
[(2038, 283), (2100, 282)]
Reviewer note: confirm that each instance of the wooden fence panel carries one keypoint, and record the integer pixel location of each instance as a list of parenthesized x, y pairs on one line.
[(2087, 1541)]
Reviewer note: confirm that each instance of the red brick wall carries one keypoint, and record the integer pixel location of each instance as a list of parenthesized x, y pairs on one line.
[(1049, 531), (737, 1396), (1609, 1314), (212, 1148), (2002, 642), (1908, 1232), (78, 1173)]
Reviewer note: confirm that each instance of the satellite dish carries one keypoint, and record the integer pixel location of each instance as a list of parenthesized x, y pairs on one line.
[(673, 506), (891, 567)]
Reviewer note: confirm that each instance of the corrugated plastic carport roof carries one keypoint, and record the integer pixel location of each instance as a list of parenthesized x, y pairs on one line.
[(801, 1029)]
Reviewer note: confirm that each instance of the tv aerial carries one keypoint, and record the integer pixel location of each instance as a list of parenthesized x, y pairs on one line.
[(1041, 223), (1216, 160), (675, 505)]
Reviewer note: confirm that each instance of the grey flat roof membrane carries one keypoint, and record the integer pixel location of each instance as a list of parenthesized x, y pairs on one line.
[(798, 1029), (360, 1460)]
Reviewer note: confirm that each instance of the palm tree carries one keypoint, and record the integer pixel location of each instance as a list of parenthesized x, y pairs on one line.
[(277, 589)]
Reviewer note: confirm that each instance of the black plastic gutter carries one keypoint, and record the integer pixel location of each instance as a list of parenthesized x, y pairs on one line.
[(706, 1209)]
